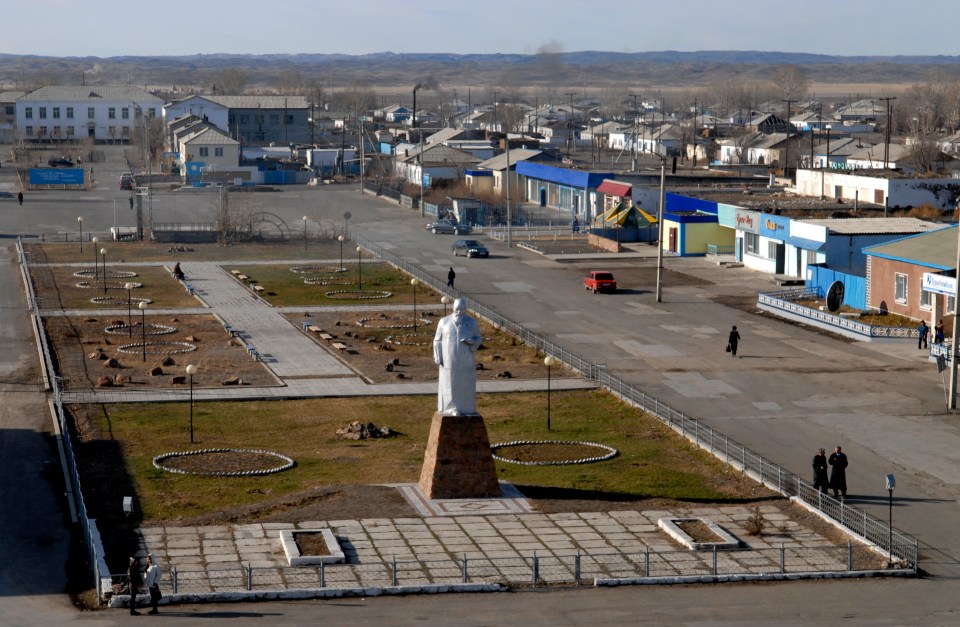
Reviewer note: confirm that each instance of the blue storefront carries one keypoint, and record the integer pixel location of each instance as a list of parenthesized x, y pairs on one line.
[(561, 188)]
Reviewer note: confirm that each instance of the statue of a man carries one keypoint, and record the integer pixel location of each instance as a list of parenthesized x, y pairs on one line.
[(454, 350)]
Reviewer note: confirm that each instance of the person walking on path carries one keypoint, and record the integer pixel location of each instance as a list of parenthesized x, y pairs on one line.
[(451, 276), (20, 197), (151, 580), (922, 332), (135, 580), (732, 341), (838, 476), (938, 332), (820, 481)]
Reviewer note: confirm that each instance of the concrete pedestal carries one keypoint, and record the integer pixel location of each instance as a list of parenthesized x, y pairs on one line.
[(458, 463)]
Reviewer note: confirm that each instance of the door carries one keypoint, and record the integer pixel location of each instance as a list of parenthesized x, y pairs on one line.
[(781, 258), (672, 239)]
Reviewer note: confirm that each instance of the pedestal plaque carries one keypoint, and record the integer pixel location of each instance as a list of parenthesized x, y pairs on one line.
[(458, 463)]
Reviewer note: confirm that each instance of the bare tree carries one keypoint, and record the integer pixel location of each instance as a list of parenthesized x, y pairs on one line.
[(790, 82), (232, 81), (235, 212)]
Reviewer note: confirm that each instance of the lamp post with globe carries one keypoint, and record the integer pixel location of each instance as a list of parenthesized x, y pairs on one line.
[(191, 370), (549, 361), (143, 326)]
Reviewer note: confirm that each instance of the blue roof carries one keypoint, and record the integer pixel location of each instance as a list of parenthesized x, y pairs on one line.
[(563, 176)]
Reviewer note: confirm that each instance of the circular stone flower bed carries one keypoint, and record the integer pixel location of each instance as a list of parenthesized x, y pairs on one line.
[(87, 285), (154, 348), (112, 274), (116, 300), (392, 322), (223, 462), (551, 452), (327, 281), (316, 269), (357, 294), (152, 328)]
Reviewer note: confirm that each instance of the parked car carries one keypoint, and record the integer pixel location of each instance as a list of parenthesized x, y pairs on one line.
[(449, 227), (54, 162), (126, 180), (600, 281), (470, 248)]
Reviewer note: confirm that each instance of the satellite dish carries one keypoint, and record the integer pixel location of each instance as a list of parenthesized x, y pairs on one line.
[(835, 297), (347, 215)]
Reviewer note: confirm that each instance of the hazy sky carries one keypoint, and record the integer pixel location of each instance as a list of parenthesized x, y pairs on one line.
[(107, 28)]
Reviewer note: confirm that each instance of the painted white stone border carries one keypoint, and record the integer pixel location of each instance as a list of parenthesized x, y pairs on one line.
[(609, 452), (292, 551), (669, 525)]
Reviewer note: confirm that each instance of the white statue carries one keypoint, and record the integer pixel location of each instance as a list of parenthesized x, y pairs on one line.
[(454, 350)]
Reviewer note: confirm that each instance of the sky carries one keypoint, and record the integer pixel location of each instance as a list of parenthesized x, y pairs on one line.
[(105, 28)]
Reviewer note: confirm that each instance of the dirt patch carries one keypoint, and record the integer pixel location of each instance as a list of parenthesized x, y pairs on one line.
[(545, 452), (698, 531), (311, 543)]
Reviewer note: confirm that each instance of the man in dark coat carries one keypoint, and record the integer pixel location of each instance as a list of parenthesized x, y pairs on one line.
[(732, 341), (838, 476), (135, 577), (451, 277), (820, 481)]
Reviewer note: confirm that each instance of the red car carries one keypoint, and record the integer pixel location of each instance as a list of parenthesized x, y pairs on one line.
[(600, 281)]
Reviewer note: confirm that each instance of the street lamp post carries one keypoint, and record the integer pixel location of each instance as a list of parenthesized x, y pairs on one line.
[(446, 300), (663, 209), (340, 239), (891, 484), (359, 270), (103, 252), (96, 261), (304, 232), (826, 163), (129, 287), (143, 326), (414, 282), (191, 370), (549, 361), (80, 223)]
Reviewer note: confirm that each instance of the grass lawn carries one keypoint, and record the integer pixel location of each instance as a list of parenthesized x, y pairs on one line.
[(653, 462), (59, 288), (59, 252), (285, 288)]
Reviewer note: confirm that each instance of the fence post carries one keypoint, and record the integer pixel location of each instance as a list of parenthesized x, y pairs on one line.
[(393, 573), (176, 581), (916, 556), (714, 560), (249, 577), (536, 569), (576, 568), (463, 568), (323, 575), (849, 555), (783, 558), (646, 561)]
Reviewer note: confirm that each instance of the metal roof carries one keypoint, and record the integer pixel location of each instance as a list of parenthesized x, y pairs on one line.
[(875, 226), (75, 93), (259, 102), (937, 249)]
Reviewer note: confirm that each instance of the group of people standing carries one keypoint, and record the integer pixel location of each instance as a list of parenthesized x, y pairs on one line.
[(923, 332), (150, 578), (837, 480)]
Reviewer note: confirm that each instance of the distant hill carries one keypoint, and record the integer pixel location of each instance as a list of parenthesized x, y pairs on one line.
[(386, 71)]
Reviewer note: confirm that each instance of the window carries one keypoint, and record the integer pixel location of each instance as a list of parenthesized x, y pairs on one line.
[(926, 300), (274, 118), (29, 131), (70, 131), (91, 113), (9, 109), (28, 113), (772, 249), (56, 131), (752, 242), (125, 131), (218, 152), (112, 113), (125, 113), (204, 151), (152, 112), (69, 113), (900, 294), (112, 130), (289, 119), (811, 257), (43, 113), (43, 131), (951, 305), (56, 113)]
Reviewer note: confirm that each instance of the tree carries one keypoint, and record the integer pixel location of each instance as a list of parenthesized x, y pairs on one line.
[(232, 81), (790, 82)]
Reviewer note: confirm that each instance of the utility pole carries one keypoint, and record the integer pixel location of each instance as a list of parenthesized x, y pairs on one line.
[(886, 134), (694, 132), (636, 131), (570, 95), (786, 150)]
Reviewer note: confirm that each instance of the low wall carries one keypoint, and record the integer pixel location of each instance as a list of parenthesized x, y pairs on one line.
[(608, 245)]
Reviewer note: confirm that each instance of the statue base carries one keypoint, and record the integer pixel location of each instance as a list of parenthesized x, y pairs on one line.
[(458, 463)]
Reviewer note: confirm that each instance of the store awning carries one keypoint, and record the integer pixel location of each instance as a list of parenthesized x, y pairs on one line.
[(614, 188)]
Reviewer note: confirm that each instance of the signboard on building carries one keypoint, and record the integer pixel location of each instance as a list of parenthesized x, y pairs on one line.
[(774, 227), (747, 221), (56, 176), (939, 283)]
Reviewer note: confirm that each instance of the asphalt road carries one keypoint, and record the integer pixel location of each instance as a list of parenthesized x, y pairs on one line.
[(791, 391)]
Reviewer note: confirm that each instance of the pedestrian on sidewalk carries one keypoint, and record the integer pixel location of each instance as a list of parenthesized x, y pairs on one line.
[(938, 332), (732, 341), (20, 197), (151, 580), (450, 278), (135, 580), (820, 481), (922, 332), (838, 476)]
